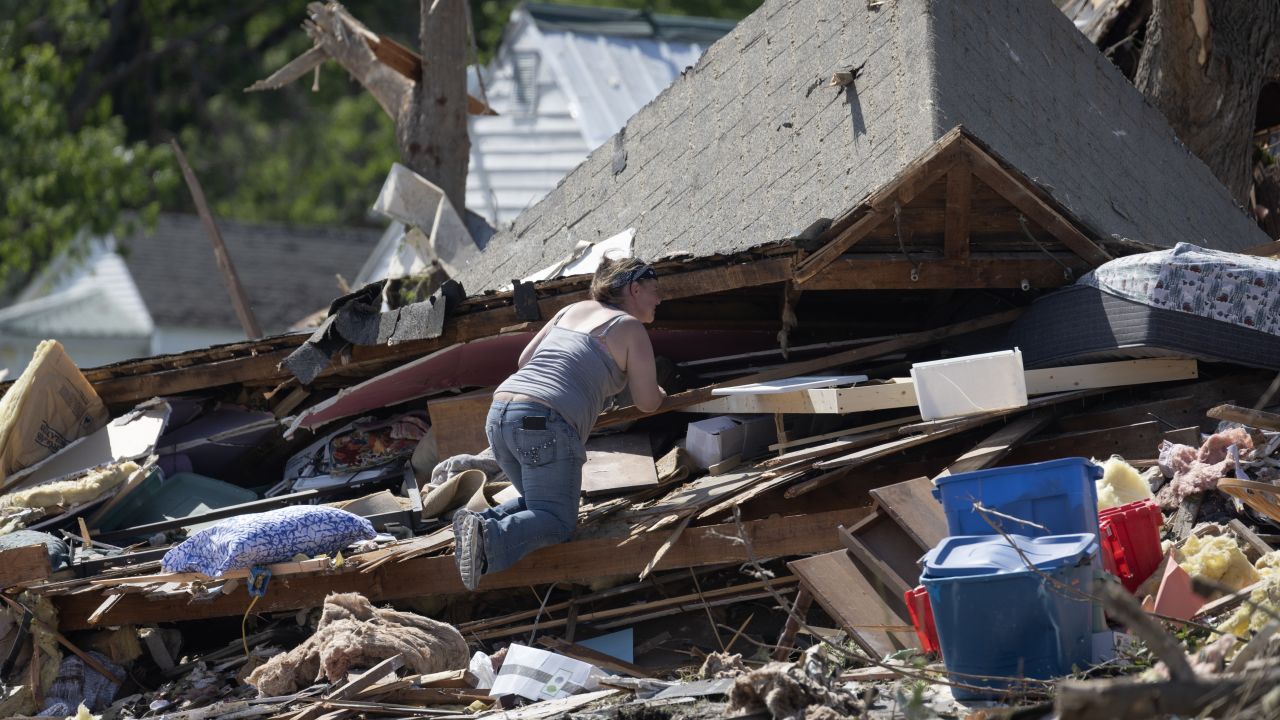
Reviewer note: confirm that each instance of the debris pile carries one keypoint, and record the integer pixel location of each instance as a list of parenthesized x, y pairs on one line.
[(906, 463)]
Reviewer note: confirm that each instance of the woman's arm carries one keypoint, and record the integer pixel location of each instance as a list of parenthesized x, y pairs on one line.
[(533, 344), (642, 373)]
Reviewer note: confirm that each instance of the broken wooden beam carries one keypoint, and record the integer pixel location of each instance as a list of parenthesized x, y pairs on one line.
[(1245, 416), (902, 342), (425, 576), (901, 392)]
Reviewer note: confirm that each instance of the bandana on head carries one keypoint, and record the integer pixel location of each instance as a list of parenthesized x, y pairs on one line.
[(640, 272)]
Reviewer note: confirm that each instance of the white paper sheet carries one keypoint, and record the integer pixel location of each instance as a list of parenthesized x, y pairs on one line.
[(540, 675)]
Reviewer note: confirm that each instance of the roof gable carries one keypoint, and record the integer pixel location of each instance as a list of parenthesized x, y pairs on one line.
[(751, 146)]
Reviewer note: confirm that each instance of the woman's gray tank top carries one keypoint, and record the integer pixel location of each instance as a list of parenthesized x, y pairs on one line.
[(571, 372)]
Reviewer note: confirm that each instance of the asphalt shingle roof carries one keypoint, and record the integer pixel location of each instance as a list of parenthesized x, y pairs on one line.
[(286, 271), (750, 146)]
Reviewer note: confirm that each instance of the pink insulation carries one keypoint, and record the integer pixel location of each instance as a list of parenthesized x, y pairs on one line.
[(1195, 470)]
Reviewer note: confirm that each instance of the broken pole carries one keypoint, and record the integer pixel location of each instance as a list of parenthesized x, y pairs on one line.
[(238, 298)]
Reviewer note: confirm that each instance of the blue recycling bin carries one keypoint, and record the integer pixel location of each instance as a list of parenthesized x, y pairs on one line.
[(998, 618), (1058, 495)]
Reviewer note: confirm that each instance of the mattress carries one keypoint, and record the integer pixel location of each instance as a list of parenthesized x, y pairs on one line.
[(1080, 324)]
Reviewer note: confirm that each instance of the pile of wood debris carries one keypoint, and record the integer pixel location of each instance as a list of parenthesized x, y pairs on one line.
[(692, 566)]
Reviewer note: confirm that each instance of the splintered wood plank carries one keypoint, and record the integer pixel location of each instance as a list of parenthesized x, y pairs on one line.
[(23, 565), (617, 463), (840, 586), (912, 505), (959, 191), (991, 450), (1110, 374), (1015, 189), (579, 560), (1132, 442), (1253, 418)]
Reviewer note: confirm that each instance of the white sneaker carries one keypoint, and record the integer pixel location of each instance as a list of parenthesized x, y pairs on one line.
[(468, 547)]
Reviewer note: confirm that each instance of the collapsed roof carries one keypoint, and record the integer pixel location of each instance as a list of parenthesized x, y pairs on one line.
[(751, 146)]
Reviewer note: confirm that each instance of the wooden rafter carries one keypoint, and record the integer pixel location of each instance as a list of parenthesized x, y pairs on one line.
[(959, 195), (1016, 190), (920, 174), (960, 158)]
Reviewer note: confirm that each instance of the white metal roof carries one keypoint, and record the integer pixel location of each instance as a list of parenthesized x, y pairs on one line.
[(93, 298), (560, 92)]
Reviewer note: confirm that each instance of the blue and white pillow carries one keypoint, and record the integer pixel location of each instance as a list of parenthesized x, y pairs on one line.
[(265, 538)]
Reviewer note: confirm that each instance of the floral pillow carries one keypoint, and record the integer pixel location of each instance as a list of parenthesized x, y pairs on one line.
[(265, 538)]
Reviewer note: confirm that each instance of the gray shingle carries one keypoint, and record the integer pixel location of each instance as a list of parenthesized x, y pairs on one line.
[(710, 169), (286, 271)]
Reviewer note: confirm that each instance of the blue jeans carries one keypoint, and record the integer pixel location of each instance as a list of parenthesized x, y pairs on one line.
[(546, 467)]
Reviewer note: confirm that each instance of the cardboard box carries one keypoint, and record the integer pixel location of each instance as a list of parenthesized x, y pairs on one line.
[(719, 438)]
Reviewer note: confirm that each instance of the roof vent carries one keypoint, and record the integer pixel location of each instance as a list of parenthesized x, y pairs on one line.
[(526, 78)]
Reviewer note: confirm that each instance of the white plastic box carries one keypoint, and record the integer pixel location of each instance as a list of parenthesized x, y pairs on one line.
[(719, 438), (969, 385)]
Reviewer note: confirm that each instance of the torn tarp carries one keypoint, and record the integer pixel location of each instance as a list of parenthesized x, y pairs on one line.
[(357, 319)]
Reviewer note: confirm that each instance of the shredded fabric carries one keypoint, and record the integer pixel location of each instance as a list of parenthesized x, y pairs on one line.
[(786, 693), (1194, 470), (80, 686), (354, 634), (722, 665)]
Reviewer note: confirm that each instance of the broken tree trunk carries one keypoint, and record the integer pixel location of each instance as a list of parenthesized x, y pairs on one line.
[(429, 106), (432, 130), (1204, 66)]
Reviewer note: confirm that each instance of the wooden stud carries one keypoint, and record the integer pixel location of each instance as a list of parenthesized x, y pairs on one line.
[(959, 191)]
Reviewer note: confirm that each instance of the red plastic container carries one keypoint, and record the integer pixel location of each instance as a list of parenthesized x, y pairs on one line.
[(1130, 538), (922, 619)]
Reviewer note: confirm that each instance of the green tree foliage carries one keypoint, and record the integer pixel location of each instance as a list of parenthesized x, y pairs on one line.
[(58, 179), (90, 90)]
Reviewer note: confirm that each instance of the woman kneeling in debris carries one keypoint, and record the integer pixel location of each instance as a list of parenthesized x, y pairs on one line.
[(541, 416)]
